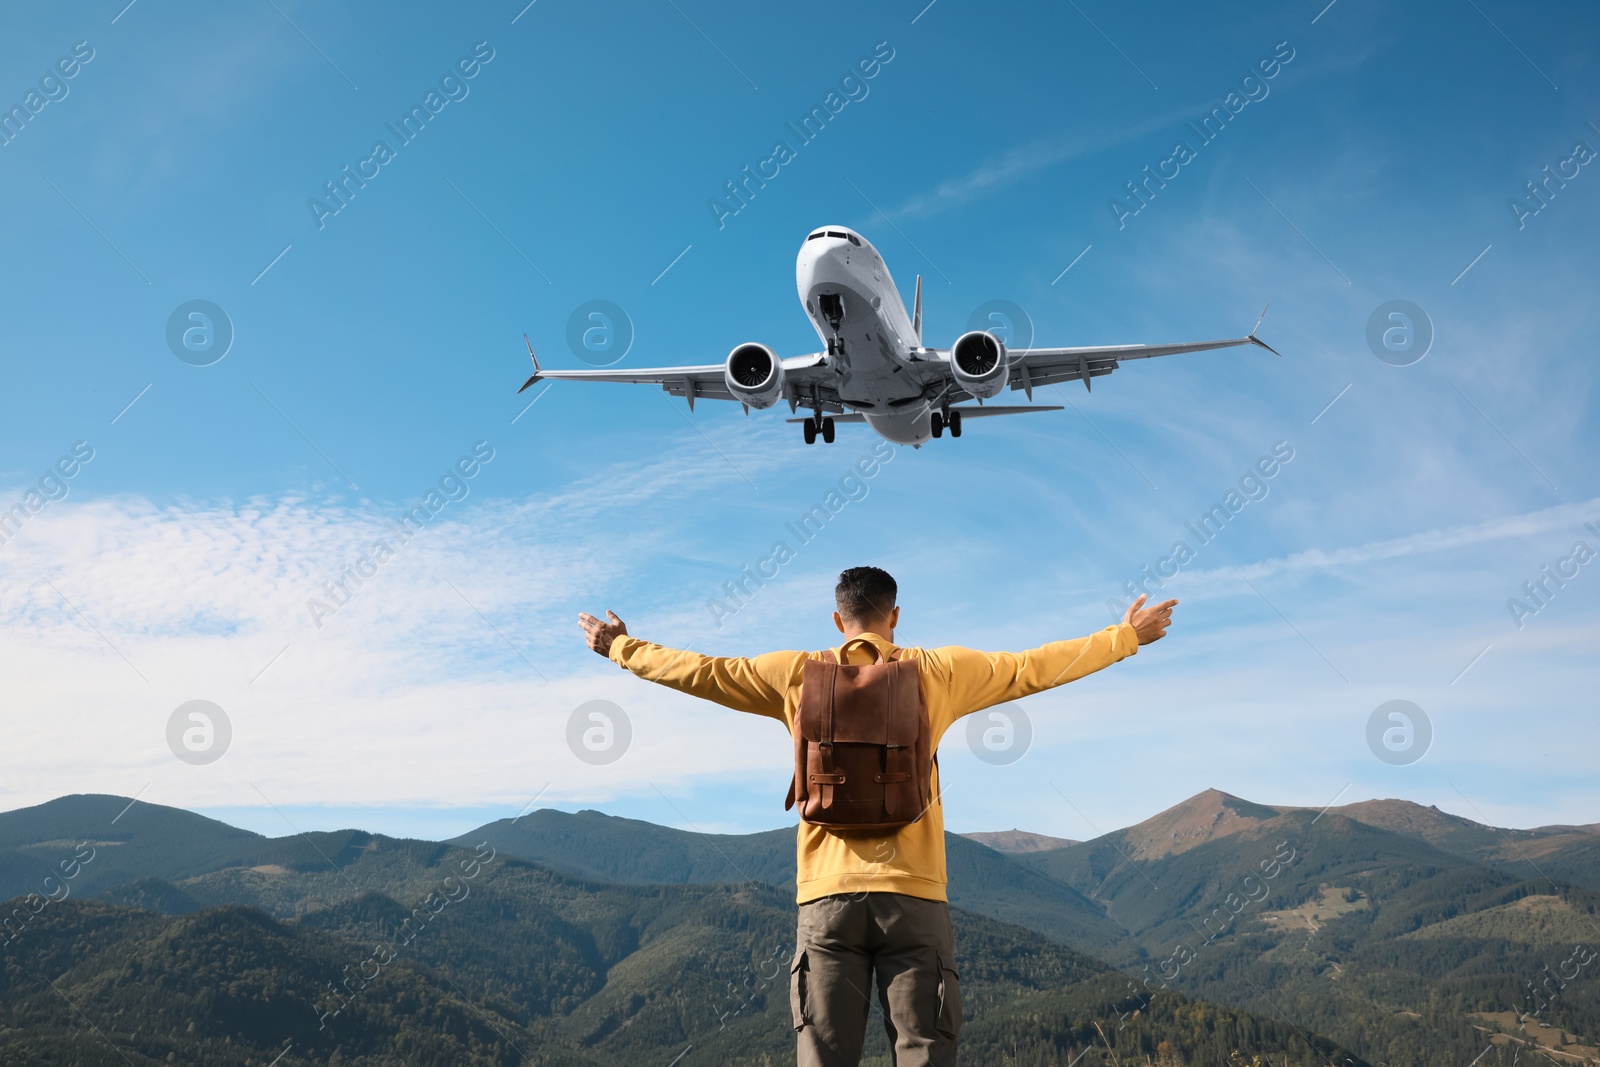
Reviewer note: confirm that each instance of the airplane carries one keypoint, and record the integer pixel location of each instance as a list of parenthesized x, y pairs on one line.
[(874, 368)]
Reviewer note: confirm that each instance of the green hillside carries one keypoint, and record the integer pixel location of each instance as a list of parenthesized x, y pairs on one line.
[(144, 840), (95, 984), (602, 847), (1241, 928), (1379, 939), (591, 844), (528, 965)]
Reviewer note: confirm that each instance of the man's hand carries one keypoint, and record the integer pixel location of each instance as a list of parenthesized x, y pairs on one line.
[(601, 634), (1149, 623)]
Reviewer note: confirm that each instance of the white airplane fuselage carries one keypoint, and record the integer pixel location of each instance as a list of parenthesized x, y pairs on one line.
[(874, 367), (852, 302)]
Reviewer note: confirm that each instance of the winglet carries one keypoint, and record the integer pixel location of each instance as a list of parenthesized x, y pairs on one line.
[(916, 313), (1253, 339), (537, 372)]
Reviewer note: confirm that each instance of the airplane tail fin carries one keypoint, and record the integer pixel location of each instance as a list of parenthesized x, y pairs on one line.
[(537, 372), (916, 312)]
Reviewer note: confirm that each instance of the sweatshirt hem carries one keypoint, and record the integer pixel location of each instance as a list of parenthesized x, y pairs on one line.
[(817, 888)]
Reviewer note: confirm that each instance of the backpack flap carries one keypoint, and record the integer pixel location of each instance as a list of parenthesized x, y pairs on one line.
[(860, 734)]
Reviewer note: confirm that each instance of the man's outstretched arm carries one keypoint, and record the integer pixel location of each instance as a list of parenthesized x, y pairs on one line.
[(982, 679), (753, 685)]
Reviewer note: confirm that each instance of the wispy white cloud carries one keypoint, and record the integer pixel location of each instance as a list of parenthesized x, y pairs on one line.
[(1560, 517), (408, 698), (995, 173)]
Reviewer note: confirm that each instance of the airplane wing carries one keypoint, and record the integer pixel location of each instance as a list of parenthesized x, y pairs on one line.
[(1034, 367), (691, 383)]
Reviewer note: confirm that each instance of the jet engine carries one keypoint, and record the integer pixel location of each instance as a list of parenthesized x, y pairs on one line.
[(979, 363), (754, 375)]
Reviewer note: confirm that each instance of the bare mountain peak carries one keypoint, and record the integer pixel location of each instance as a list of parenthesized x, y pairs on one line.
[(1394, 813), (1204, 817), (1016, 841)]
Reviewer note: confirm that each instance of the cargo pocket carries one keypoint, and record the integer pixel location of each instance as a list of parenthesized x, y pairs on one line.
[(949, 1018), (797, 989)]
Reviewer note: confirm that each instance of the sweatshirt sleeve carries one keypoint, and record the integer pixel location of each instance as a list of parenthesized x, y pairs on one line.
[(977, 680), (753, 685)]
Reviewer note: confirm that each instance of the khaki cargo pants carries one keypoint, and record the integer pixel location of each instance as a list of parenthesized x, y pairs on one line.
[(907, 943)]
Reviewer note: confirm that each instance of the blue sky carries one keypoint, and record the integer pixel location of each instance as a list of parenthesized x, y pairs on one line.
[(577, 163)]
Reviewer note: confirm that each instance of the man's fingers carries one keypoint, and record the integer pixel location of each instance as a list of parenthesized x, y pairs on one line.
[(612, 616)]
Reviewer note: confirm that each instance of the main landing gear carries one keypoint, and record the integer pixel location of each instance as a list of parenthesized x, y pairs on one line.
[(810, 426), (940, 420)]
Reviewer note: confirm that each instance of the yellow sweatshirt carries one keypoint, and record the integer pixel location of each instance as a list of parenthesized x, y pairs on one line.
[(955, 682)]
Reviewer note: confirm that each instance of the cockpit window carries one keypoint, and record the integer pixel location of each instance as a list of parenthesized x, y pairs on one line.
[(835, 233), (814, 236), (854, 239)]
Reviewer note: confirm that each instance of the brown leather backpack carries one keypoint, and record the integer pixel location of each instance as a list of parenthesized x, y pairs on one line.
[(862, 758)]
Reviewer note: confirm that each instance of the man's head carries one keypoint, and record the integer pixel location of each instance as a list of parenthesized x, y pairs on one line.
[(865, 598)]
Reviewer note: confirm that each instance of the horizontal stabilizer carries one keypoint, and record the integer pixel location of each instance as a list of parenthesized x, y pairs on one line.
[(968, 411), (971, 412)]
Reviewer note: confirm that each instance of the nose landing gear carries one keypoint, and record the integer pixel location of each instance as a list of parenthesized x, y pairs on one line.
[(832, 307)]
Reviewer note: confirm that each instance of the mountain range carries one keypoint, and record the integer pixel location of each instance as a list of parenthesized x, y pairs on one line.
[(1376, 933)]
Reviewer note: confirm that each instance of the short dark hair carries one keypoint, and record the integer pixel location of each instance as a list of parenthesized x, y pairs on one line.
[(865, 594)]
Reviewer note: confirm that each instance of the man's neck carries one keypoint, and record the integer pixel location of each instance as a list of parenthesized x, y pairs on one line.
[(880, 629)]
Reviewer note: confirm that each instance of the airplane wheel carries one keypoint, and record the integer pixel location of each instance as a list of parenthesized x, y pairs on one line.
[(936, 421), (955, 424), (810, 426), (827, 431)]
